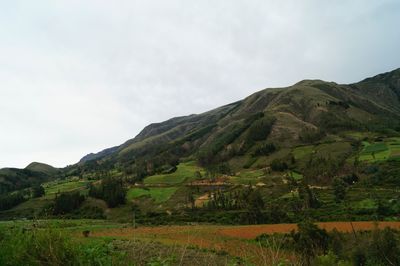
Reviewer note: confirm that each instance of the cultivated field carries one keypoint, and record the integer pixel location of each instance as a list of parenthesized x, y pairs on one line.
[(205, 243)]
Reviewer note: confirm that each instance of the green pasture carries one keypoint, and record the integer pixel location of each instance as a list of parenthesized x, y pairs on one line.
[(380, 151), (296, 176), (64, 186), (185, 172), (159, 195), (248, 176), (302, 151)]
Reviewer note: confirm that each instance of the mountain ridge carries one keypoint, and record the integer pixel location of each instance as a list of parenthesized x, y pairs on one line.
[(378, 102)]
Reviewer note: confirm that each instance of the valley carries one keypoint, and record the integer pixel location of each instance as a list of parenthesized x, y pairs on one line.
[(286, 175)]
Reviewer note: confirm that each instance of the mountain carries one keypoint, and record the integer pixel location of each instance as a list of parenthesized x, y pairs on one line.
[(35, 173), (42, 168), (372, 104), (94, 156)]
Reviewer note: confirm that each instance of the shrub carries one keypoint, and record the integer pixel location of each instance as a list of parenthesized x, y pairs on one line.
[(67, 202), (310, 241), (111, 190), (37, 191), (279, 165), (264, 149), (339, 189), (260, 129), (308, 135), (11, 200)]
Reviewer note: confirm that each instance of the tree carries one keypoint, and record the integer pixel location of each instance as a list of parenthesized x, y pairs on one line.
[(310, 241), (278, 165), (264, 149), (191, 200), (38, 191), (339, 189), (67, 202), (310, 200), (111, 190), (197, 175), (255, 207), (260, 129), (7, 201)]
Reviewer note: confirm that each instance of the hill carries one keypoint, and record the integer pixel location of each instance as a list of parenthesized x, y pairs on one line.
[(42, 168), (310, 105), (12, 179)]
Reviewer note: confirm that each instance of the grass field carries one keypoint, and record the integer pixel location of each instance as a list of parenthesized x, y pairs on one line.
[(374, 152), (366, 204), (248, 176), (64, 186), (296, 176), (185, 172), (159, 195), (301, 152), (380, 151)]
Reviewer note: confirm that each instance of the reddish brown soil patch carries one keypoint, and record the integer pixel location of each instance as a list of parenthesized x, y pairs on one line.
[(231, 239), (252, 231), (200, 201), (219, 181)]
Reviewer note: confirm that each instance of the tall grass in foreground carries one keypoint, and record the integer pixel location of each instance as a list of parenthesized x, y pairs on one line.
[(38, 247), (52, 247)]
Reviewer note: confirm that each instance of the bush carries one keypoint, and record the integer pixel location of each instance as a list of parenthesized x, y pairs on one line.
[(260, 129), (265, 149), (67, 202), (310, 241), (37, 191), (339, 189), (308, 135), (279, 165), (11, 200), (111, 190)]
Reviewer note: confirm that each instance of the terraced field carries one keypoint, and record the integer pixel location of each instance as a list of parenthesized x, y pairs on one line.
[(185, 172), (51, 188), (159, 195), (380, 151)]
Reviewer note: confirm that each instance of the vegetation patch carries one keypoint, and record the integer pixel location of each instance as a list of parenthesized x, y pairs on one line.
[(159, 195), (185, 172), (296, 176), (374, 152), (64, 186), (366, 204), (394, 147), (248, 176), (301, 152)]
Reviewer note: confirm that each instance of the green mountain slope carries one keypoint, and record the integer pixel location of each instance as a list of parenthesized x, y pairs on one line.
[(371, 104), (42, 168)]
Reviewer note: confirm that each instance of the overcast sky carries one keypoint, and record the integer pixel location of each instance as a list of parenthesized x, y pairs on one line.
[(80, 76)]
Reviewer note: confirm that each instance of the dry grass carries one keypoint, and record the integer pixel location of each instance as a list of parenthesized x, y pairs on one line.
[(234, 240)]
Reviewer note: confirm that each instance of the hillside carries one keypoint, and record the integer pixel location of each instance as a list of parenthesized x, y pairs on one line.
[(372, 104), (42, 168), (12, 179)]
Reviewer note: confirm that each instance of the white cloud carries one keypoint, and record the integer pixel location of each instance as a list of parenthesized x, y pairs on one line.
[(80, 76)]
